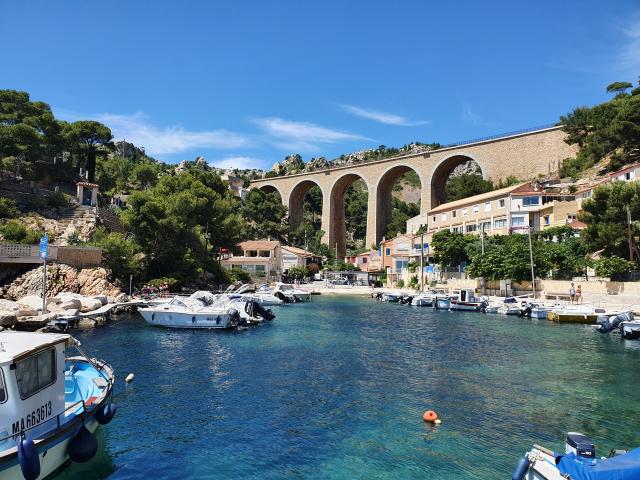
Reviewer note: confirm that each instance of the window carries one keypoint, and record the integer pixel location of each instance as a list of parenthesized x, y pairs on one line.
[(547, 219), (3, 390), (364, 259), (401, 265), (259, 268), (517, 221), (464, 212), (501, 223), (528, 201), (434, 218), (443, 217), (36, 372), (453, 214), (476, 208), (472, 227), (485, 226), (627, 176), (501, 203), (387, 251), (487, 206)]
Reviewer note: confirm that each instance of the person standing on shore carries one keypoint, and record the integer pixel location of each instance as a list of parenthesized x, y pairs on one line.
[(579, 294), (572, 293)]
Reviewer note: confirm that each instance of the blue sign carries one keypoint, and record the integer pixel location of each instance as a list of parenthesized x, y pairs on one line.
[(429, 268), (44, 246)]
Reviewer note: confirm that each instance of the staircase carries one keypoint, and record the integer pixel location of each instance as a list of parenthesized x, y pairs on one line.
[(110, 220), (72, 219)]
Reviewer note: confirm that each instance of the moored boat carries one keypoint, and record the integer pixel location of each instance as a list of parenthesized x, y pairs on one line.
[(51, 405), (290, 294), (579, 462), (465, 299), (630, 330), (577, 314), (442, 303), (191, 312)]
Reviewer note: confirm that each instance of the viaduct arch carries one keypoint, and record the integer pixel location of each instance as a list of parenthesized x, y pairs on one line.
[(524, 155)]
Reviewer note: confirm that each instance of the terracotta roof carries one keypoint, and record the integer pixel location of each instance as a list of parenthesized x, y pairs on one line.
[(258, 245), (475, 199), (577, 224), (298, 251), (87, 184), (625, 169)]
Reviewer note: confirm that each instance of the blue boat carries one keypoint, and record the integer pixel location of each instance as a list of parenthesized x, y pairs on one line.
[(579, 462), (50, 403)]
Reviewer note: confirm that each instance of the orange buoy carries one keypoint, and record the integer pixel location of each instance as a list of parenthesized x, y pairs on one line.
[(429, 416)]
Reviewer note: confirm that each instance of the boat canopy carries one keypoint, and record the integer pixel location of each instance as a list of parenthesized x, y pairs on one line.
[(620, 467), (16, 345)]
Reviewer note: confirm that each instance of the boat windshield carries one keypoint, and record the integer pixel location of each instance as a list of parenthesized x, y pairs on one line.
[(286, 287), (3, 390), (36, 372)]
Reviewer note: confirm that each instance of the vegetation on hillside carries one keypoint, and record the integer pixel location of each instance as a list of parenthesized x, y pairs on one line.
[(610, 130)]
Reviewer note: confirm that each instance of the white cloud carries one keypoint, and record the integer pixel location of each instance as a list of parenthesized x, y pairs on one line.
[(139, 130), (382, 117), (302, 136), (628, 60), (240, 161)]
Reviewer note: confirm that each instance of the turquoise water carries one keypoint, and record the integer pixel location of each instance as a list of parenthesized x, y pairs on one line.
[(335, 389)]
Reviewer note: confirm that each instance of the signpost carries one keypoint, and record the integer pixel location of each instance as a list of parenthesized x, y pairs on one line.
[(44, 253)]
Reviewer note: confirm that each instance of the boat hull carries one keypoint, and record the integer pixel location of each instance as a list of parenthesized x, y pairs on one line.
[(205, 320), (53, 454), (573, 317), (422, 302), (442, 304), (630, 330), (465, 306)]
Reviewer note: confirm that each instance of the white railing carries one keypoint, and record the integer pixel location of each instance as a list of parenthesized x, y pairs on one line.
[(17, 250)]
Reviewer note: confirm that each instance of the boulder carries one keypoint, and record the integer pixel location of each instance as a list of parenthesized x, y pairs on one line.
[(9, 306), (36, 321), (31, 302), (8, 319), (27, 312), (103, 299)]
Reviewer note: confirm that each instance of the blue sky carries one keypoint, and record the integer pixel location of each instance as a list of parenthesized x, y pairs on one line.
[(246, 83)]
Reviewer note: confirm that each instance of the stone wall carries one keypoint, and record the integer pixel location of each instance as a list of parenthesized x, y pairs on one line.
[(80, 257)]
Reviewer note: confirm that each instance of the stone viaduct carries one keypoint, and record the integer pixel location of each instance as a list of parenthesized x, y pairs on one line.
[(523, 155)]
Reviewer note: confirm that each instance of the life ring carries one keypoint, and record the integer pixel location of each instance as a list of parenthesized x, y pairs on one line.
[(430, 416)]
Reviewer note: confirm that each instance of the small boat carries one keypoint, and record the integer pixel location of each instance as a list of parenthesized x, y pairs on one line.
[(263, 295), (465, 299), (579, 462), (540, 310), (577, 314), (290, 294), (630, 330), (191, 312), (52, 403), (392, 297), (442, 303), (608, 324), (424, 299)]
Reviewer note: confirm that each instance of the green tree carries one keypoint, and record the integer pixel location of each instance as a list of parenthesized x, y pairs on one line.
[(123, 256), (86, 137), (619, 87), (450, 248), (463, 186), (613, 267), (266, 215), (605, 214), (8, 208), (145, 174)]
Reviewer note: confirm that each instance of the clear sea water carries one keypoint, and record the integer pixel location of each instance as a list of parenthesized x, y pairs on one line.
[(336, 388)]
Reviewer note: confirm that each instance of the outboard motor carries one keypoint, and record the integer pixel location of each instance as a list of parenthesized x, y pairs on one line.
[(282, 297), (607, 324), (526, 310), (483, 306), (254, 309), (580, 445), (236, 319)]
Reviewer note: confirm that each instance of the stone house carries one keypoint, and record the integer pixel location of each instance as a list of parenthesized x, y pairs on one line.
[(262, 259)]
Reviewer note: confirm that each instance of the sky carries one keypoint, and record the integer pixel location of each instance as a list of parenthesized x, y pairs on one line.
[(245, 83)]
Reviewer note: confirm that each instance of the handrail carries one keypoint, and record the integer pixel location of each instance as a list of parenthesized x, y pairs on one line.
[(499, 135)]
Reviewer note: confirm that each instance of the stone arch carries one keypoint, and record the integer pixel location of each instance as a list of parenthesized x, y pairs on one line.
[(383, 196), (441, 172), (338, 228), (296, 201), (270, 189)]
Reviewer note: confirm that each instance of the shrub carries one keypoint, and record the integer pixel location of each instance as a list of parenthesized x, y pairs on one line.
[(239, 275), (14, 231), (57, 199), (8, 208), (400, 283), (313, 268), (612, 266), (156, 282)]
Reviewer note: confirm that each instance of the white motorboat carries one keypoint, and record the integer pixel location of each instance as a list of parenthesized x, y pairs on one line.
[(191, 312), (263, 295), (630, 330), (426, 299), (52, 403), (392, 297), (465, 299), (290, 294), (578, 462), (442, 302), (540, 311)]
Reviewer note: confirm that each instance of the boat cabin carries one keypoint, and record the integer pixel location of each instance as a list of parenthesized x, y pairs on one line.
[(32, 384), (466, 295)]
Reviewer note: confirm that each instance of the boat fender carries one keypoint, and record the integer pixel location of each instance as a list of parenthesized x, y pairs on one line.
[(106, 413), (129, 378), (28, 459), (429, 416), (521, 469), (83, 446)]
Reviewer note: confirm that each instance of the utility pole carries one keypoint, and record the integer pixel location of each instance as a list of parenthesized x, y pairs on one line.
[(629, 234), (422, 262), (206, 251), (533, 275), (482, 239)]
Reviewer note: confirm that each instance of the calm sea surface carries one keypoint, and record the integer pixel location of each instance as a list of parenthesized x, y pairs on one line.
[(336, 388)]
